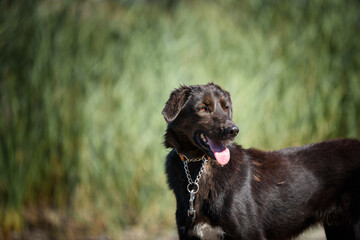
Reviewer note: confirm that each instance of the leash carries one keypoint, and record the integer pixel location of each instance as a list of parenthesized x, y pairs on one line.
[(193, 186)]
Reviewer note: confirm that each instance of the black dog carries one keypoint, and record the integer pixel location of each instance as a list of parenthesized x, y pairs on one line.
[(226, 192)]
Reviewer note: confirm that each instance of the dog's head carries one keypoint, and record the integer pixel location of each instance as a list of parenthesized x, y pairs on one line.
[(199, 121)]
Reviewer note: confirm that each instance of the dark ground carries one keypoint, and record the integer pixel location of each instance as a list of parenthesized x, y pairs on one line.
[(50, 224)]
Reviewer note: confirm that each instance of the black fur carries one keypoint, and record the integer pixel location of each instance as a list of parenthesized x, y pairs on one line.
[(258, 194)]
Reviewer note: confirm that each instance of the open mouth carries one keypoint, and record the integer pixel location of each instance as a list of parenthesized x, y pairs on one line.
[(214, 148)]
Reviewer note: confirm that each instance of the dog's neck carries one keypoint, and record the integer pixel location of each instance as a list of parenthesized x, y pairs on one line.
[(185, 158), (181, 147), (190, 155)]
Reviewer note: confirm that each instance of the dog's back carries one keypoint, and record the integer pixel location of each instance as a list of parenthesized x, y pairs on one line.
[(301, 186)]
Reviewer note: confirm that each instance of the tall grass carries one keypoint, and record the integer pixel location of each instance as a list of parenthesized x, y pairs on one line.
[(83, 85)]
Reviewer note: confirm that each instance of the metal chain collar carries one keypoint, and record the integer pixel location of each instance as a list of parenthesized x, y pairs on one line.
[(193, 186)]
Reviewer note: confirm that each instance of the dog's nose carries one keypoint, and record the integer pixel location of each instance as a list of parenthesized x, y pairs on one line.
[(232, 131)]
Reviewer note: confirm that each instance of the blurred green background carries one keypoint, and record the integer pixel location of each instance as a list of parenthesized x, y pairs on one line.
[(83, 83)]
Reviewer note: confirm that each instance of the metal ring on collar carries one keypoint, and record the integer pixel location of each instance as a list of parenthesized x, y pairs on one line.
[(195, 187)]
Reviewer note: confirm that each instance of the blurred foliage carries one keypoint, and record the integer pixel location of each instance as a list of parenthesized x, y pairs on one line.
[(83, 83)]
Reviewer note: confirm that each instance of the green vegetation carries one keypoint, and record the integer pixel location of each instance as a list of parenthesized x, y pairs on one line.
[(83, 83)]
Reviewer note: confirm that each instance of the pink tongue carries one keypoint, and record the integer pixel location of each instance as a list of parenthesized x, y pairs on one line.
[(221, 153)]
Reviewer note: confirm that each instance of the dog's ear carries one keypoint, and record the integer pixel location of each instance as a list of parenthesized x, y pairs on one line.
[(227, 94), (175, 103)]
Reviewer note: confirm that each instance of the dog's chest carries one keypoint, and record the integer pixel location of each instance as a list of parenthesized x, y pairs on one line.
[(205, 231)]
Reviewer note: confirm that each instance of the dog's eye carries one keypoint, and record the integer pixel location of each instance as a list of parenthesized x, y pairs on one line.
[(203, 109), (226, 108)]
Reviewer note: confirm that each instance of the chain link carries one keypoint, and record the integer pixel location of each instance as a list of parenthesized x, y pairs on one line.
[(187, 171), (193, 186)]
